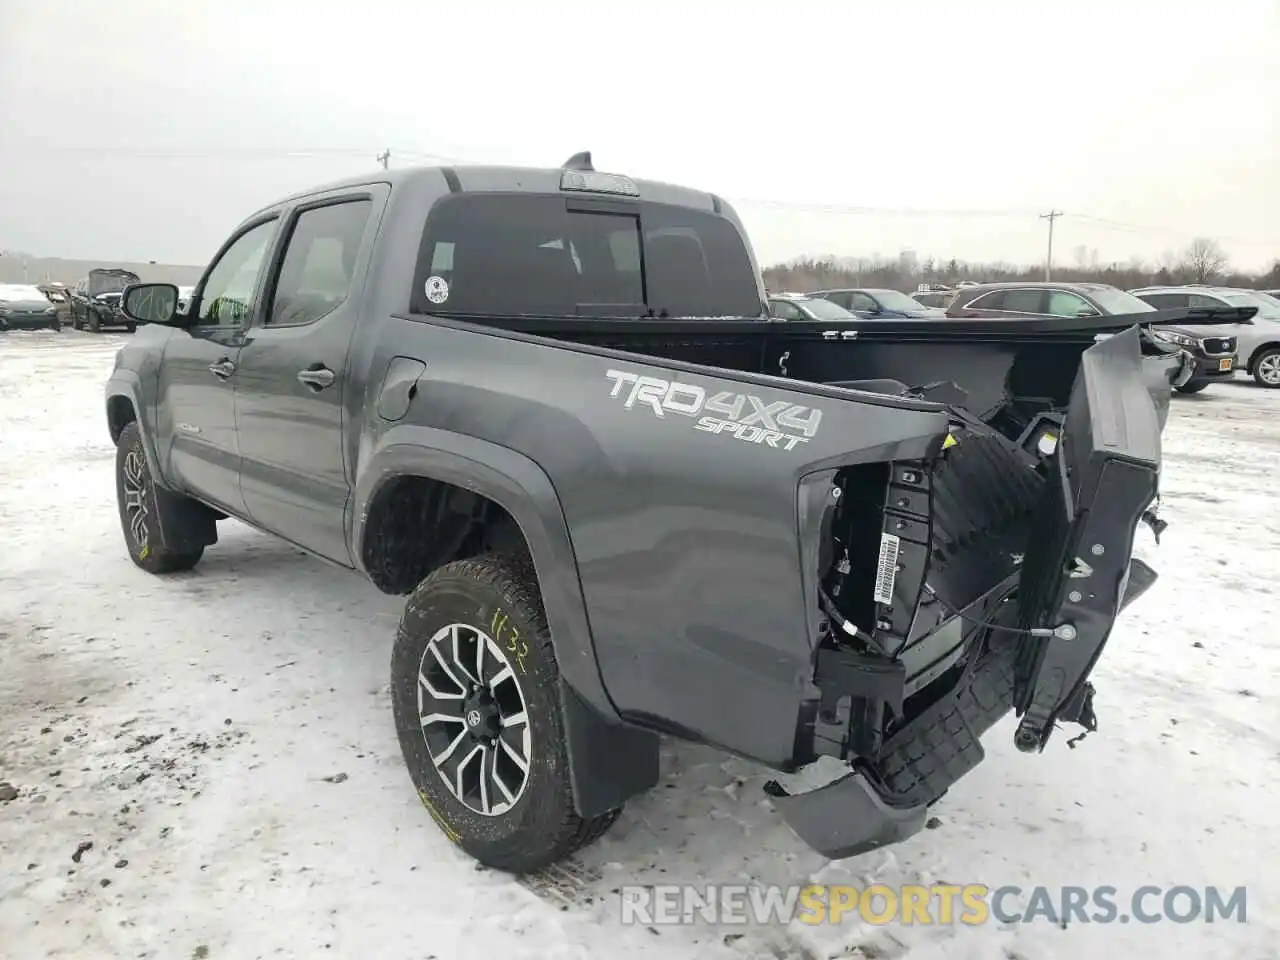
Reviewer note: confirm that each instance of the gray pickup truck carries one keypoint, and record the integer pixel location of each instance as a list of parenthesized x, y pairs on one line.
[(550, 407)]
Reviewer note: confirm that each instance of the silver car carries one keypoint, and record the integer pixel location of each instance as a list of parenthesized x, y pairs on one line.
[(1257, 342)]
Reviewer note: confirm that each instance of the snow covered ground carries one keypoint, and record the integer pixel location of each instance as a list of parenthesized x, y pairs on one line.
[(219, 746)]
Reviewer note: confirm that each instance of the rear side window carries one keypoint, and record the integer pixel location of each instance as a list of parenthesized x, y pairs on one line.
[(1024, 301), (1164, 301), (1202, 300), (545, 255), (992, 301), (319, 262)]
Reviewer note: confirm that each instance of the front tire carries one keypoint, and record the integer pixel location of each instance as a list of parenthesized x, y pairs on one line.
[(1266, 368), (136, 498), (94, 324), (1195, 386), (475, 695)]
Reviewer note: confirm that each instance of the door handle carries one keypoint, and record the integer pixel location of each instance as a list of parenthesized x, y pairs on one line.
[(222, 369), (317, 376)]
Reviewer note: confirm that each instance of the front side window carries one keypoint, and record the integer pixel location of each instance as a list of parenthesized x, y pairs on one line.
[(542, 255), (820, 309), (862, 301), (1064, 304), (228, 296), (785, 311), (319, 263)]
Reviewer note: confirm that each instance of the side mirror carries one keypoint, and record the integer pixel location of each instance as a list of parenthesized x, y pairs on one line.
[(1087, 312), (150, 302)]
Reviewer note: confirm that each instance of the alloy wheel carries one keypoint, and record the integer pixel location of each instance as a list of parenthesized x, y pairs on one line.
[(474, 720), (135, 497), (1269, 369)]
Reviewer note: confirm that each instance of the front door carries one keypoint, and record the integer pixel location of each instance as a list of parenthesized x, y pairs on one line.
[(291, 377), (197, 377)]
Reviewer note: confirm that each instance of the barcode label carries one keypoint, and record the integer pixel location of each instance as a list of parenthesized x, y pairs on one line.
[(887, 572)]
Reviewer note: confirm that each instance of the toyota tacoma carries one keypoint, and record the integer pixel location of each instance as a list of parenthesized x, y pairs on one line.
[(550, 407)]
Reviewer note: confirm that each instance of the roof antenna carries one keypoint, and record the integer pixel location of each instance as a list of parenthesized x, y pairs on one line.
[(580, 161)]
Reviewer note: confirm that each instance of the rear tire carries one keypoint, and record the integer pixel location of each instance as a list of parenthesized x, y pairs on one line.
[(136, 497), (1195, 386), (508, 752), (1266, 368)]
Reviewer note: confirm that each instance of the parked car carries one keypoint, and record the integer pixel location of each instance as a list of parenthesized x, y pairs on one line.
[(1257, 340), (690, 521), (95, 300), (24, 307), (874, 303), (1213, 347), (798, 306)]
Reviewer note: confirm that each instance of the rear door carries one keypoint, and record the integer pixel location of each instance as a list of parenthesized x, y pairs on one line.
[(196, 400), (291, 386)]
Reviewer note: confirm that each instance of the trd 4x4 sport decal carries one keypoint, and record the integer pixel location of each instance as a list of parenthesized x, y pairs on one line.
[(780, 424)]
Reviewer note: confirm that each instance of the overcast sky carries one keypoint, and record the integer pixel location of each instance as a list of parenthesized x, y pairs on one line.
[(145, 129)]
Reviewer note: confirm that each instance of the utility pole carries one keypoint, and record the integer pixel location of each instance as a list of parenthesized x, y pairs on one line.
[(1051, 216), (384, 158)]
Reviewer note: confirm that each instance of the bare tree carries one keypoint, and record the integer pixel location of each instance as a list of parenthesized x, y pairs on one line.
[(1204, 259)]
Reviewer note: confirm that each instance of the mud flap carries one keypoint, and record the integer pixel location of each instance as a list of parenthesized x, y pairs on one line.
[(1076, 576)]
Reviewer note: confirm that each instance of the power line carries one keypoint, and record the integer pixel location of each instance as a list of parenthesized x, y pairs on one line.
[(426, 157), (1051, 216)]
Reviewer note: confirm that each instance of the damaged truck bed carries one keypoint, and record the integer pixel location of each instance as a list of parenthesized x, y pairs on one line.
[(550, 407)]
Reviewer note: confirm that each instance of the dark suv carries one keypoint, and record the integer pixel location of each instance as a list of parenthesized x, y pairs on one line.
[(1214, 356), (95, 300)]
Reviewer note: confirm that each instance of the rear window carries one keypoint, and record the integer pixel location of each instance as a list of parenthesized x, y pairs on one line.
[(540, 255)]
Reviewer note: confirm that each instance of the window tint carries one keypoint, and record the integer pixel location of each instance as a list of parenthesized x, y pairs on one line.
[(1064, 304), (528, 254), (1023, 301), (227, 299), (696, 264), (315, 277), (605, 250)]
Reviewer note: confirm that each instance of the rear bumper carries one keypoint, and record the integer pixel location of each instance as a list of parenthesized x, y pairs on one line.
[(1076, 577)]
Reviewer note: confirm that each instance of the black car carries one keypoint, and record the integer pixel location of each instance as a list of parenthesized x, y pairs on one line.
[(95, 300)]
